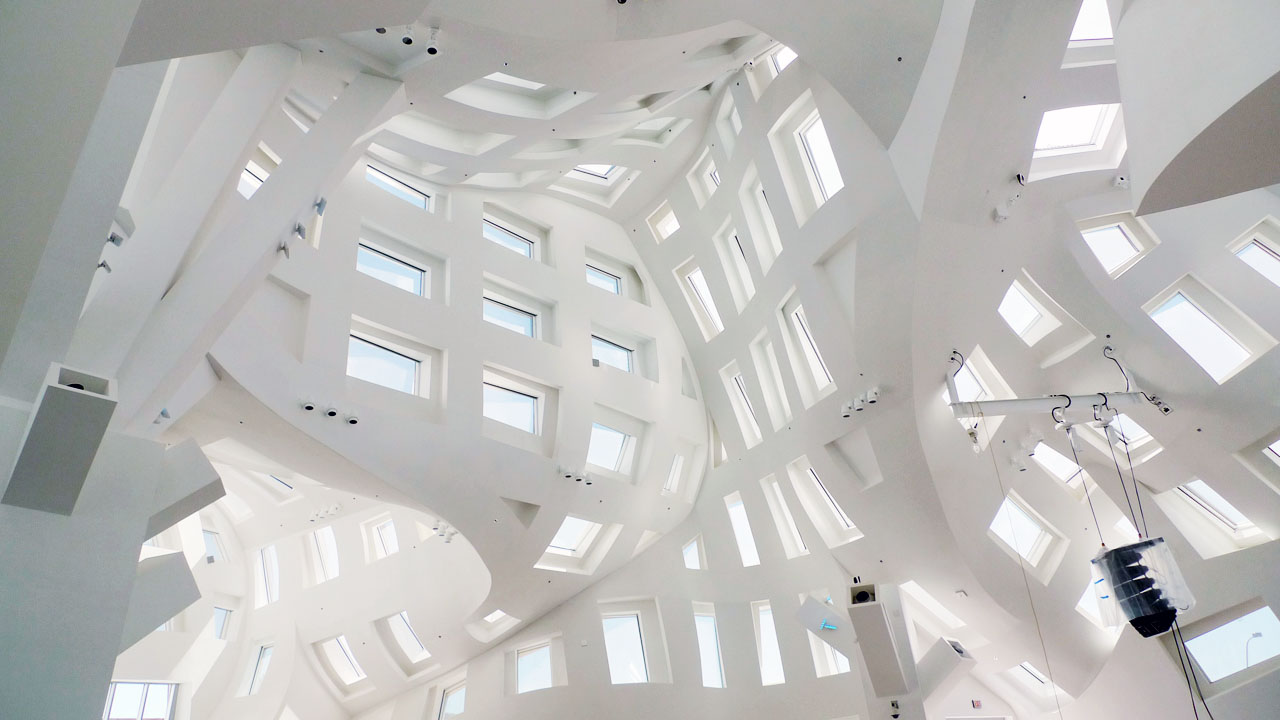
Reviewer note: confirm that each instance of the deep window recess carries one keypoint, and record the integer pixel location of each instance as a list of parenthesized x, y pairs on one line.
[(510, 317), (604, 280), (624, 646), (374, 363), (509, 407), (397, 188), (610, 353), (508, 239), (392, 271)]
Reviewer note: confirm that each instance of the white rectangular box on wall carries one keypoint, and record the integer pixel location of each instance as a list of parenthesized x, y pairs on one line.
[(879, 650)]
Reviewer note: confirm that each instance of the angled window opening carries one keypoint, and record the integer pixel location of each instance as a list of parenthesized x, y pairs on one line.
[(600, 172), (612, 354), (1235, 646), (453, 702), (781, 58), (266, 577), (1021, 531), (1118, 241), (703, 304), (213, 547), (391, 270), (832, 505), (672, 483), (740, 402), (341, 661), (769, 373), (508, 239), (742, 530), (818, 378), (1207, 501), (510, 317), (221, 623), (663, 222), (510, 407), (251, 178), (371, 362), (761, 227), (768, 652), (1092, 24), (1263, 258), (704, 624), (1060, 467), (604, 280), (737, 270), (406, 638), (385, 542), (788, 533), (258, 670), (398, 188), (574, 537), (1207, 342), (533, 668), (820, 159), (1074, 129), (1018, 311), (324, 554), (692, 553), (624, 647)]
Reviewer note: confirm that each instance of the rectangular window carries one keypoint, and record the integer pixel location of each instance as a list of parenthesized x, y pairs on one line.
[(821, 158), (768, 652), (609, 353), (624, 647), (742, 530), (398, 273), (397, 188), (212, 546), (267, 577), (251, 178), (1208, 501), (533, 668), (376, 364), (698, 284), (1056, 464), (788, 532), (1018, 311), (324, 554), (1263, 258), (740, 386), (604, 280), (454, 702), (510, 318), (574, 537), (1203, 339), (704, 623), (782, 57), (221, 623), (1074, 129), (508, 239), (1020, 531), (384, 539), (601, 172), (673, 475), (512, 408), (406, 638), (1111, 245), (607, 447), (140, 701), (260, 665), (693, 555), (832, 505), (341, 660), (1237, 645), (817, 367)]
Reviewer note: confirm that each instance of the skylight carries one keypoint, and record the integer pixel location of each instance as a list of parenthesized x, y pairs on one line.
[(1074, 129), (666, 224), (606, 447), (1203, 339), (1111, 245), (514, 81), (821, 158), (406, 638), (1018, 530), (494, 616), (343, 662), (512, 408), (601, 172), (1055, 463), (509, 317), (398, 273), (533, 668), (1272, 451), (1131, 433), (770, 655), (251, 178), (1093, 22), (742, 530), (1238, 645), (625, 650), (1018, 311), (1208, 501), (609, 353), (782, 57), (574, 537), (709, 650), (382, 180), (1262, 258), (381, 366)]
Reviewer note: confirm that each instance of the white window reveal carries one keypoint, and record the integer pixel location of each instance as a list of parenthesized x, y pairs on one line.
[(604, 280), (341, 660), (1237, 645), (610, 353), (742, 530), (398, 188), (704, 623), (1021, 532), (266, 577), (624, 647), (384, 539), (821, 159), (768, 652), (454, 702), (374, 363), (405, 636), (533, 668)]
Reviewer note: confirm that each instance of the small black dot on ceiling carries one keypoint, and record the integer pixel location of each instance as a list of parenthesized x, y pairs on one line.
[(321, 49), (505, 64), (1108, 336), (1024, 97), (899, 59), (1199, 429)]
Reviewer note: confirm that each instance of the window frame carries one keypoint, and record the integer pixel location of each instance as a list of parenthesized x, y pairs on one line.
[(817, 184), (269, 574), (321, 572), (757, 610), (740, 524), (536, 409), (381, 344), (617, 280), (424, 274), (1234, 323), (530, 245), (171, 690), (629, 353), (447, 694), (644, 655), (388, 183), (527, 651), (706, 611), (258, 672), (1133, 228), (535, 324)]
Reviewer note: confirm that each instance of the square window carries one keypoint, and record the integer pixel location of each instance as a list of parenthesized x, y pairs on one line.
[(385, 182), (406, 638), (510, 317), (1018, 311), (533, 668), (1237, 645), (1203, 339), (574, 537), (376, 364), (607, 447), (392, 271), (821, 158), (663, 222), (454, 702), (609, 353), (509, 407), (1021, 532), (604, 280), (508, 239), (624, 646), (1111, 245)]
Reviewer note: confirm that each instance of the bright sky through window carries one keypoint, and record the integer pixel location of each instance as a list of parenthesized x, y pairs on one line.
[(339, 656), (1019, 530), (574, 536), (596, 171), (406, 638), (611, 354), (821, 158), (1017, 310), (1093, 22), (390, 270), (324, 554), (1209, 501), (397, 188), (1083, 128), (1131, 433), (1055, 463), (625, 650), (376, 364), (606, 447), (709, 650), (742, 531), (787, 527), (1203, 339), (782, 57), (1237, 645), (1261, 258), (512, 408), (604, 280), (667, 224), (251, 178), (494, 616), (1111, 245), (533, 669), (384, 535), (139, 701), (508, 317), (514, 81), (212, 546), (454, 702), (698, 282), (220, 618), (508, 239), (692, 556), (767, 645)]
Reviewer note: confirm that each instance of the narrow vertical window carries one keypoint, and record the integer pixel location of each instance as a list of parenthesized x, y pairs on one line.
[(221, 623), (673, 475), (704, 622), (406, 638), (698, 284), (693, 555), (1263, 258), (267, 577), (821, 159), (624, 646), (770, 655), (742, 530), (212, 546), (261, 662), (817, 367), (533, 668), (324, 554), (454, 702), (384, 539), (832, 505)]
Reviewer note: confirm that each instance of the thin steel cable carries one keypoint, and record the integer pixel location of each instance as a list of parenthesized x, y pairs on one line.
[(1132, 515), (1084, 482), (1177, 646), (1177, 629)]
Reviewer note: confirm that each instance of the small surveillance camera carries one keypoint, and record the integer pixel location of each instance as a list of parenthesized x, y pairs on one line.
[(859, 403), (846, 410), (353, 420), (433, 47), (308, 405), (873, 396), (331, 412)]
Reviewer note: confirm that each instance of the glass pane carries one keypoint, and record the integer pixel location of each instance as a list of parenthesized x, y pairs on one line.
[(1070, 127), (1018, 311), (267, 576), (604, 280), (1208, 498), (1093, 22), (783, 57), (159, 700), (395, 187), (818, 368), (406, 638), (610, 354), (508, 239), (834, 506), (742, 533), (251, 178), (741, 386), (212, 548), (260, 669), (1262, 259), (1203, 339), (511, 408), (770, 655), (606, 447), (698, 282), (1055, 463), (625, 649), (378, 365), (533, 669), (325, 548), (709, 650), (338, 654), (822, 159), (571, 538), (673, 476), (505, 316), (220, 618), (126, 701), (1239, 644), (1111, 246), (597, 171), (455, 701), (692, 558), (389, 270), (388, 544), (1018, 530)]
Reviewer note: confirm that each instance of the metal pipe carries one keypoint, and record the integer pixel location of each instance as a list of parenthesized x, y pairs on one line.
[(1024, 406)]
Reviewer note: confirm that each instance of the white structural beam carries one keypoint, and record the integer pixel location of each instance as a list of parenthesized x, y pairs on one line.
[(65, 272), (1074, 405), (212, 291), (163, 587), (56, 59), (147, 263)]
